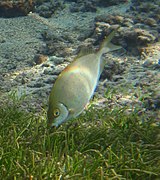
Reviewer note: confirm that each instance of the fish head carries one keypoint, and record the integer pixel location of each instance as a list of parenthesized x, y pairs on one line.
[(57, 114)]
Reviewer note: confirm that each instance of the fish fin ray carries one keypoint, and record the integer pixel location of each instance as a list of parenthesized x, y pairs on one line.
[(84, 51), (107, 46)]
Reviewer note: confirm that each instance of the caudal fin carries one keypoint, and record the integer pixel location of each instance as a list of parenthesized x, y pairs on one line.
[(107, 46)]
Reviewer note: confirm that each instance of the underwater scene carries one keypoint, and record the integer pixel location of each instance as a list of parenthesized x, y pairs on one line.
[(80, 89)]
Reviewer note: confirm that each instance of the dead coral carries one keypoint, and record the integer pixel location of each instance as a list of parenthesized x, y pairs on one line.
[(14, 8)]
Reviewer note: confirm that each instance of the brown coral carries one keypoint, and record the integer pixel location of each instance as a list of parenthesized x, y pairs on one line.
[(13, 8)]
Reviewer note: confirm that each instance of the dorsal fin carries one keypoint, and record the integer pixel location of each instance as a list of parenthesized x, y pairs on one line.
[(85, 51)]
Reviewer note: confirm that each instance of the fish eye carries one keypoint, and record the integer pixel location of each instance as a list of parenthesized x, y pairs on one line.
[(56, 112)]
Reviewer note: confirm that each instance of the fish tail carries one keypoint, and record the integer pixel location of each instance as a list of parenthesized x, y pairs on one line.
[(107, 46)]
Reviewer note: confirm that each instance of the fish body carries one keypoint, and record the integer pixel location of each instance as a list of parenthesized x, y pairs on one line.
[(75, 86)]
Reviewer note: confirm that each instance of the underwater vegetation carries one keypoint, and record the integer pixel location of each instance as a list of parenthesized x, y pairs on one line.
[(101, 144)]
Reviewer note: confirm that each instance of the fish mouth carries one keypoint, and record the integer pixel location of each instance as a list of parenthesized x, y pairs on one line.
[(54, 125), (52, 129), (51, 125)]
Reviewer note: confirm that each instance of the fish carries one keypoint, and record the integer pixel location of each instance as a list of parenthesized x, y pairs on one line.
[(76, 84)]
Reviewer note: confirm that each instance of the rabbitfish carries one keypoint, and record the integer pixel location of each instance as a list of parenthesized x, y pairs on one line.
[(75, 85)]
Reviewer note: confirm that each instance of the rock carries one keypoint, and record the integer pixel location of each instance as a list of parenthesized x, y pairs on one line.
[(135, 29), (53, 70), (151, 22), (44, 10), (50, 80), (56, 60), (139, 37), (49, 71), (91, 6), (14, 8), (86, 6), (111, 19), (146, 12), (55, 44), (147, 63), (37, 84), (40, 58), (133, 40), (156, 66), (101, 27), (83, 6), (110, 2), (45, 65), (2, 39), (111, 68), (58, 70), (47, 9)]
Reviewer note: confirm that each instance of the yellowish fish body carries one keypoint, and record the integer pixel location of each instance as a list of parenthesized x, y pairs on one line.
[(76, 84)]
